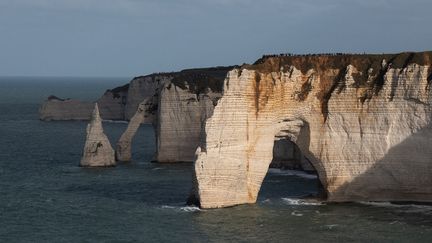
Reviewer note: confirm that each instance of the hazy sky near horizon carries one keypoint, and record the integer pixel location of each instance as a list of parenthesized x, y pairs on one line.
[(135, 37)]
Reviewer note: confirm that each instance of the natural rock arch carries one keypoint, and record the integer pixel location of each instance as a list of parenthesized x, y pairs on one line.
[(344, 118)]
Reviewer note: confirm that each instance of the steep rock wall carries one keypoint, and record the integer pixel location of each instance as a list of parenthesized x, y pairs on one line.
[(56, 109), (181, 115), (111, 106), (363, 121), (145, 88), (286, 155)]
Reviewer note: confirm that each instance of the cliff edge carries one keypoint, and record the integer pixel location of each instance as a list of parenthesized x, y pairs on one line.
[(363, 121)]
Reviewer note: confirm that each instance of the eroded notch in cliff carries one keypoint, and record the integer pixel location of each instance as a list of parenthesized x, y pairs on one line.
[(257, 93), (327, 89), (291, 178), (429, 78)]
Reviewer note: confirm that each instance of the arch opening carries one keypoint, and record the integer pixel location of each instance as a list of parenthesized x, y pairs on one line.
[(291, 175)]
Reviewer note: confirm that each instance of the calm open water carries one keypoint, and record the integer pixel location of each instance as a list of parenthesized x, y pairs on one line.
[(46, 197)]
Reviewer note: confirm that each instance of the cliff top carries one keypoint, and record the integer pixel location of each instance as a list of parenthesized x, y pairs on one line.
[(197, 80), (270, 63), (201, 79), (371, 69)]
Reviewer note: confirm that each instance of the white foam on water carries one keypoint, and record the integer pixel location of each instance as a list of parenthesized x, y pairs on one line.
[(115, 121), (298, 173), (182, 208), (190, 209), (410, 208), (296, 201), (331, 226), (167, 207), (266, 201), (295, 213), (382, 204)]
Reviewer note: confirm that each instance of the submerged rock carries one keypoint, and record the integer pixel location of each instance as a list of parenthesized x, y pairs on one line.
[(97, 150)]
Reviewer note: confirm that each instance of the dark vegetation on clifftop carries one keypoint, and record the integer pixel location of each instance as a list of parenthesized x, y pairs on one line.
[(198, 81), (371, 70), (53, 97), (118, 90)]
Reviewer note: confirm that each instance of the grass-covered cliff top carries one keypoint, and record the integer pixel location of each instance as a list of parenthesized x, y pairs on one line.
[(271, 63), (117, 92), (197, 80), (201, 79)]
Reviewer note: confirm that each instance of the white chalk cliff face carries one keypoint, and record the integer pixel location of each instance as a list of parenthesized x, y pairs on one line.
[(97, 149), (363, 121), (124, 145), (141, 88), (58, 109), (111, 106), (181, 115), (286, 155)]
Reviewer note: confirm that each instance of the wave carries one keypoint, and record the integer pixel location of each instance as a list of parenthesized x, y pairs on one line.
[(295, 213), (410, 208), (292, 173), (296, 201), (115, 121), (187, 209), (190, 209), (395, 205)]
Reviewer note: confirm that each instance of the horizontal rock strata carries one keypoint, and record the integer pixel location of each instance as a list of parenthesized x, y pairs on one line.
[(111, 106), (97, 149), (363, 121)]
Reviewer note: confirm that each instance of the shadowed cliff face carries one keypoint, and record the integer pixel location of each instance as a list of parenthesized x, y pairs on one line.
[(398, 176), (122, 102), (356, 108)]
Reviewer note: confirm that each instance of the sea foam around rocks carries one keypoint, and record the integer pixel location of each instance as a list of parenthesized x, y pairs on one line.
[(298, 173)]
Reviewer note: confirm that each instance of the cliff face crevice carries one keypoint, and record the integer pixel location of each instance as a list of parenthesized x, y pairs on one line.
[(358, 108)]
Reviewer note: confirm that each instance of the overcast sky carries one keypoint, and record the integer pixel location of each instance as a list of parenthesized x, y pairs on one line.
[(134, 37)]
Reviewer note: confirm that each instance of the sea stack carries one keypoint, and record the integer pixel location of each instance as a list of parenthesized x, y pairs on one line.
[(97, 150)]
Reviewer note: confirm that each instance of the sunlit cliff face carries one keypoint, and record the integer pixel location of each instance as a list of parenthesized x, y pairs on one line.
[(355, 117)]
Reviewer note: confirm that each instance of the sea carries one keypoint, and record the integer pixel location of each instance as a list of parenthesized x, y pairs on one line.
[(46, 197)]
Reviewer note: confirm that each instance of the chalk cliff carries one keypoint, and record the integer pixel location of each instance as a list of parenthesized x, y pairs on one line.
[(111, 106), (55, 108), (177, 104), (363, 121), (287, 155), (97, 149), (124, 145), (184, 105)]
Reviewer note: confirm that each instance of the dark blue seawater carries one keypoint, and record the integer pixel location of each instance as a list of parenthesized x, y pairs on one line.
[(46, 197)]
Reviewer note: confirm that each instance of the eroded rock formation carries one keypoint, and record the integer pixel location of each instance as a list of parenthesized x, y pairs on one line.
[(287, 155), (123, 147), (97, 149), (184, 105), (363, 121), (65, 109)]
